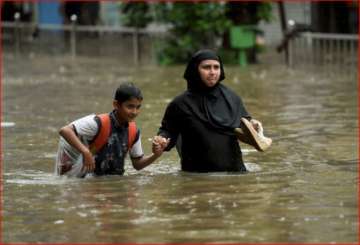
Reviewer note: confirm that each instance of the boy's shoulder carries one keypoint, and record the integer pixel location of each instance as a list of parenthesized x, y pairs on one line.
[(89, 117), (86, 121), (86, 126)]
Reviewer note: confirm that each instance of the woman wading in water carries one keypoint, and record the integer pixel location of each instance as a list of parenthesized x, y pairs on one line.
[(210, 119)]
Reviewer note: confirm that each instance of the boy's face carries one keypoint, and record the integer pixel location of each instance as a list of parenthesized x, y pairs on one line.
[(128, 110)]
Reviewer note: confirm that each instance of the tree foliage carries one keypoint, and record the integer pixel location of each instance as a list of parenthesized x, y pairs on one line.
[(136, 14), (192, 26)]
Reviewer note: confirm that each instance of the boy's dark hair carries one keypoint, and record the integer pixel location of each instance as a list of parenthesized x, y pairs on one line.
[(127, 91)]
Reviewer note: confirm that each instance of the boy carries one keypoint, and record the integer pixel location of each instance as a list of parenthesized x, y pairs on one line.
[(99, 143)]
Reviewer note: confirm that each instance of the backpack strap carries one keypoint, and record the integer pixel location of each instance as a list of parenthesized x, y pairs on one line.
[(131, 134), (105, 130), (103, 133)]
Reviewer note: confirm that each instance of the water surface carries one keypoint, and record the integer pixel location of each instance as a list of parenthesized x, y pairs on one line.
[(304, 189)]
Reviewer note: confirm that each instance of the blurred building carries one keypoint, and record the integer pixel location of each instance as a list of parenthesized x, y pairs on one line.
[(324, 17), (335, 17), (59, 12)]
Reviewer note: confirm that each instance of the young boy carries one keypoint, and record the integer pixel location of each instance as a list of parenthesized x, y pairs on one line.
[(99, 143)]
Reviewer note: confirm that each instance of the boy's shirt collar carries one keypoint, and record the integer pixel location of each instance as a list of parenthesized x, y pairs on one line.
[(116, 122)]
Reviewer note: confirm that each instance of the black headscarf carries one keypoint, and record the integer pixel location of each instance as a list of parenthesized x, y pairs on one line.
[(192, 74), (218, 106)]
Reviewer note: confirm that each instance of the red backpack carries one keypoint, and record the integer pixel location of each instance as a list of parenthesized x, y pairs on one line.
[(104, 133)]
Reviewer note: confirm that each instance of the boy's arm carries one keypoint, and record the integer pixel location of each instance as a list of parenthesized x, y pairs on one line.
[(158, 145), (142, 162), (68, 133)]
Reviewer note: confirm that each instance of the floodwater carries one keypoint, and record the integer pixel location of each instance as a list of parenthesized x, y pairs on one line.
[(303, 189)]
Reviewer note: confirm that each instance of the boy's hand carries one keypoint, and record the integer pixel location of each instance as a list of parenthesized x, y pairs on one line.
[(159, 144), (89, 162)]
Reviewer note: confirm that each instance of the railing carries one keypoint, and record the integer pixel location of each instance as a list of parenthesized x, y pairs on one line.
[(19, 34), (332, 54)]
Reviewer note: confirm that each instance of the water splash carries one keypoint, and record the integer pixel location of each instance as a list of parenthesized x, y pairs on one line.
[(7, 124), (31, 177)]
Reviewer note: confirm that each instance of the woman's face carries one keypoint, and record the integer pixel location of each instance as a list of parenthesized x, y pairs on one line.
[(209, 71)]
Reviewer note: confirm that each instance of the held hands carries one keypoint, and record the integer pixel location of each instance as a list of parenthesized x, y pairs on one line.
[(159, 144)]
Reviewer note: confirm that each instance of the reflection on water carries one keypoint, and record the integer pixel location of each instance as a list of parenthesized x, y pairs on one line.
[(304, 189)]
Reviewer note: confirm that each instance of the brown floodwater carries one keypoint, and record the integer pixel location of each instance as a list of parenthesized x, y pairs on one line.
[(303, 189)]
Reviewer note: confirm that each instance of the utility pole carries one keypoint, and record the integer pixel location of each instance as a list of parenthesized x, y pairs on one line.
[(284, 29)]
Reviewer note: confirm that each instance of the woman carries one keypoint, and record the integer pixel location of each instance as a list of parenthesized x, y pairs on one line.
[(205, 116)]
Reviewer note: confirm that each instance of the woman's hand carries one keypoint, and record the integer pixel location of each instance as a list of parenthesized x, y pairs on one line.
[(256, 124)]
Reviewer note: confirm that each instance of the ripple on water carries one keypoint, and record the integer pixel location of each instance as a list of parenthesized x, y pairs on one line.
[(31, 177), (252, 167)]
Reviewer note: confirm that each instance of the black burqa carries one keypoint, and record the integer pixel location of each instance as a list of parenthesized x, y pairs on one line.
[(205, 118)]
